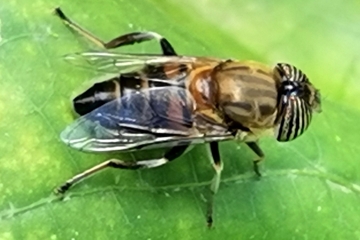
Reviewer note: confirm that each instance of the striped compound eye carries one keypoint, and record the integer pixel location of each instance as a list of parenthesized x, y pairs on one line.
[(291, 73), (295, 119), (295, 101)]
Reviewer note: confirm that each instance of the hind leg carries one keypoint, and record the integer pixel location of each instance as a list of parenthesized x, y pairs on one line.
[(126, 39)]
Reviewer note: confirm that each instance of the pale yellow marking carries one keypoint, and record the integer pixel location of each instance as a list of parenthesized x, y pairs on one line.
[(254, 135), (144, 81), (117, 90), (211, 114), (89, 83), (194, 72)]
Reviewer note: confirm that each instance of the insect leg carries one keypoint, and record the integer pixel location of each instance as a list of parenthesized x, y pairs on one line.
[(138, 37), (256, 148), (172, 154), (78, 28), (218, 166), (126, 39)]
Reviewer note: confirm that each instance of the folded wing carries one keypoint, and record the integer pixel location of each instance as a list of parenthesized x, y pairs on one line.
[(133, 120), (122, 62)]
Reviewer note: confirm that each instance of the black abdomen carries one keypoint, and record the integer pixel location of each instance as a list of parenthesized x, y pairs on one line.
[(103, 92)]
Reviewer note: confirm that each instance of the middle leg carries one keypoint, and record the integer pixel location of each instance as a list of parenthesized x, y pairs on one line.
[(215, 183), (172, 154)]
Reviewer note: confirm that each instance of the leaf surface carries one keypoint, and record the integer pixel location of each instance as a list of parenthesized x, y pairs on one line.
[(309, 189)]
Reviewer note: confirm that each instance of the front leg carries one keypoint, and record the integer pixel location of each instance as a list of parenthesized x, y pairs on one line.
[(257, 150)]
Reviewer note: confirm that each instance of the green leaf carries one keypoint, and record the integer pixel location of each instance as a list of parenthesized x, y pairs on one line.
[(309, 189)]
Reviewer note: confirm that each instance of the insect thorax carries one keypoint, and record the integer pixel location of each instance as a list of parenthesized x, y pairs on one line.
[(247, 93)]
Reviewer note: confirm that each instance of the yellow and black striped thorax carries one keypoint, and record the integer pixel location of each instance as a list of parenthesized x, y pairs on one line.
[(297, 99)]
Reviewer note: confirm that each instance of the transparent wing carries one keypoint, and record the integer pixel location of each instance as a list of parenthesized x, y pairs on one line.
[(135, 119), (122, 62)]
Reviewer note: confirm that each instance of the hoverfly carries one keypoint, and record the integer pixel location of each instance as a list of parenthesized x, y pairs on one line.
[(172, 101)]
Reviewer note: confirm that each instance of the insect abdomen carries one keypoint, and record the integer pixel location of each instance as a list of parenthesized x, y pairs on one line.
[(106, 91), (96, 96)]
